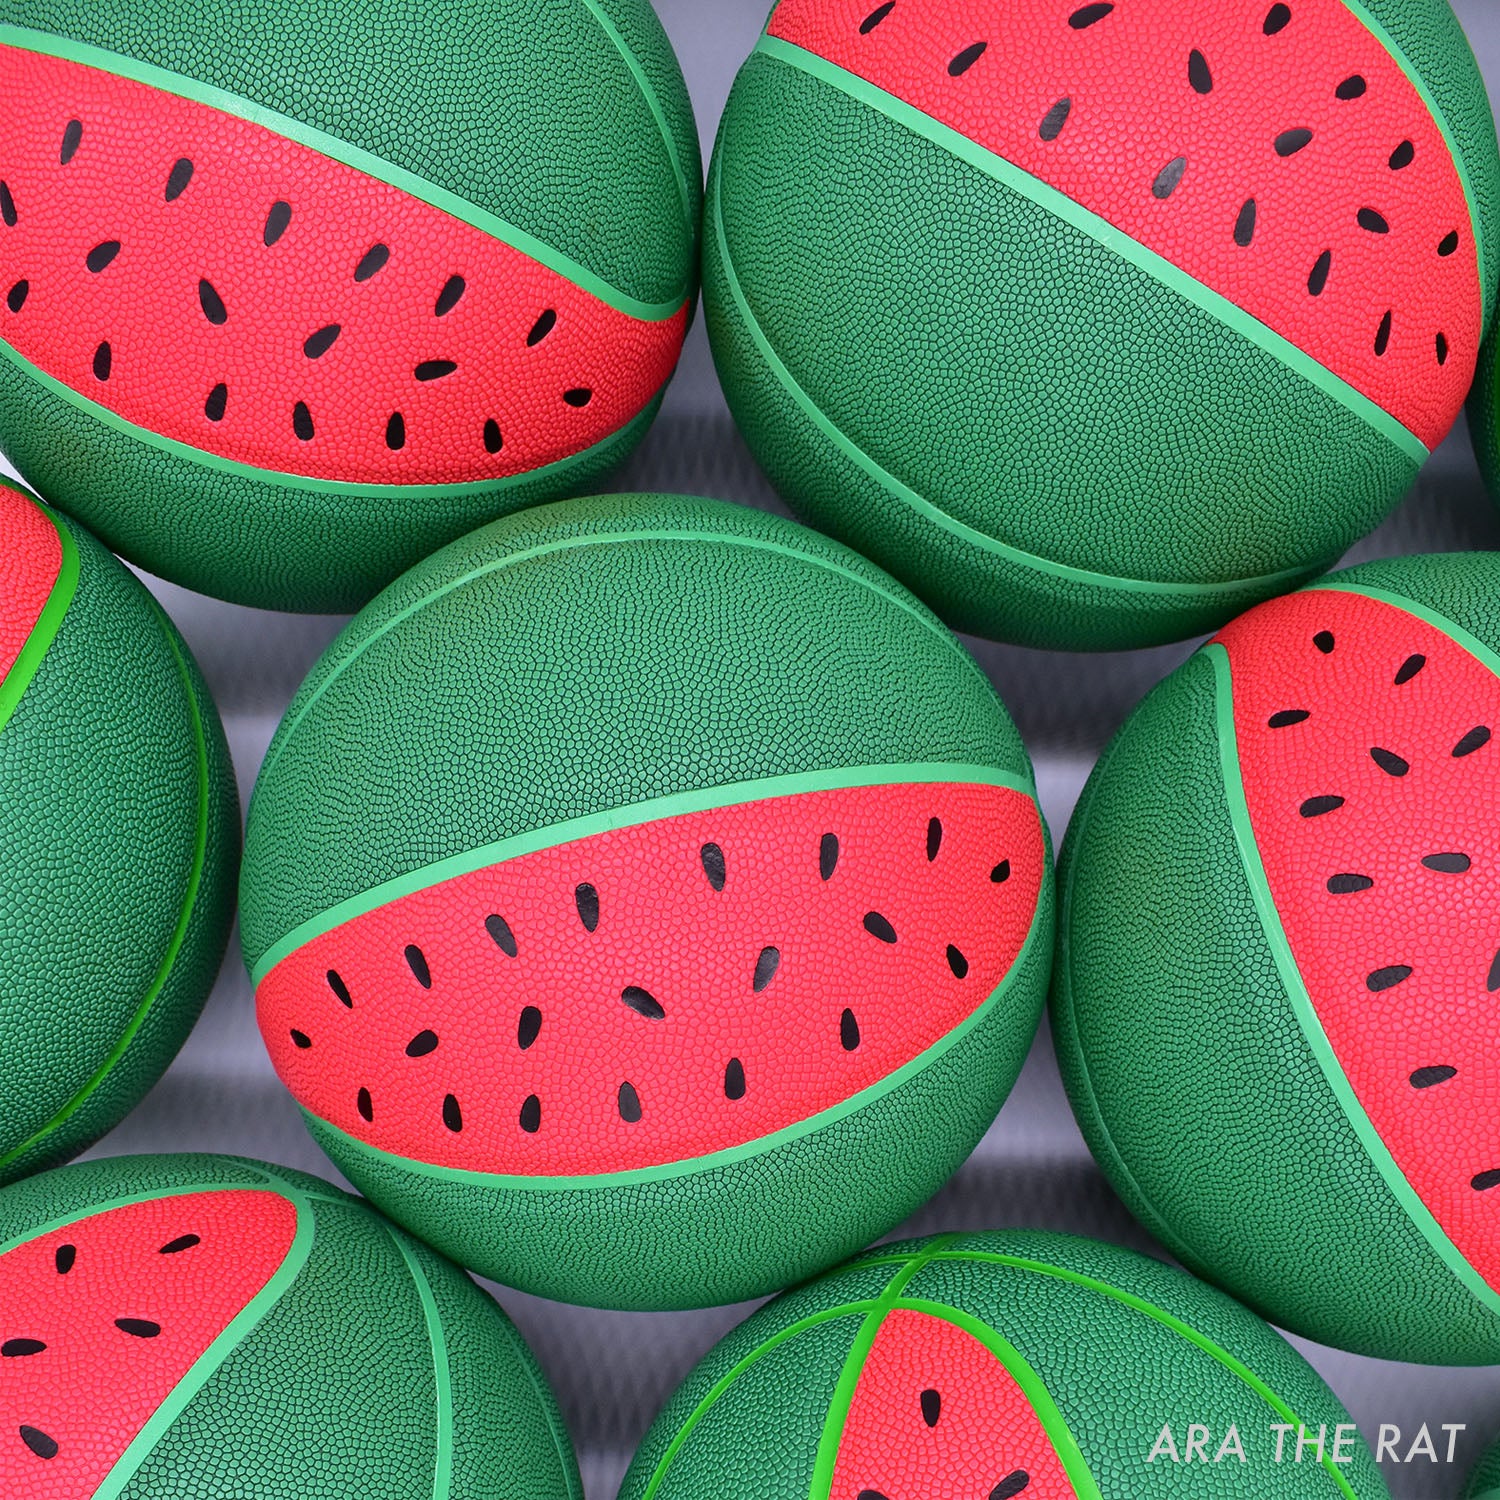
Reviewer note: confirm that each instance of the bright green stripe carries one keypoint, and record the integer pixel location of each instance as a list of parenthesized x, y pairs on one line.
[(1301, 1001), (227, 1342), (49, 45), (414, 494), (1172, 277), (1440, 622), (179, 934), (48, 623), (442, 1380), (503, 1182), (637, 813)]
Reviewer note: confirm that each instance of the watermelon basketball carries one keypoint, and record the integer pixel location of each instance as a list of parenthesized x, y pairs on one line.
[(1484, 415), (1276, 1002), (195, 1327), (1097, 323), (1484, 1482), (1026, 1365), (647, 902), (290, 295), (119, 836)]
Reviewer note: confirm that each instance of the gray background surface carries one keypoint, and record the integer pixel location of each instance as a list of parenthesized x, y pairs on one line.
[(613, 1370)]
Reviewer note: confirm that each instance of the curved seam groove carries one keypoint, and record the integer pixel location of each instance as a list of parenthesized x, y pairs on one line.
[(442, 1375)]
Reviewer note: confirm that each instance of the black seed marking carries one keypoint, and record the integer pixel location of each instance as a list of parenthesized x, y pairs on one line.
[(1426, 1078), (849, 1031), (1475, 739), (1493, 982), (1324, 641), (1001, 873), (453, 1116), (1448, 864), (966, 59), (422, 1043), (1244, 225), (734, 1079), (435, 369), (395, 432), (1442, 348), (1389, 762), (101, 255), (499, 930), (1403, 156), (339, 988), (1277, 19), (531, 1114), (1448, 245), (302, 422), (586, 899), (1011, 1485), (19, 1348), (365, 1105), (828, 855), (15, 298), (217, 403), (1199, 75), (1387, 979), (1054, 120), (934, 838), (38, 1441), (958, 963), (1347, 885), (1315, 807), (1287, 717), (178, 178), (276, 222), (1168, 178), (1373, 221), (1383, 333), (1085, 17), (63, 1260), (1353, 87), (453, 289), (578, 397), (711, 856), (138, 1328), (630, 1104), (72, 137), (181, 1243), (212, 304), (104, 360), (7, 206), (932, 1406), (301, 1040), (877, 926), (374, 260), (541, 328), (1290, 142), (318, 344), (1317, 278), (643, 1003), (1409, 668), (1485, 1181), (494, 440), (870, 1495), (416, 961), (529, 1027), (875, 17), (765, 968)]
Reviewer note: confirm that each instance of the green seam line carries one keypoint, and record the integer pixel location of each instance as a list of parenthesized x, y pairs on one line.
[(713, 1160), (893, 595), (179, 935), (24, 668), (1486, 655), (442, 1381), (632, 815), (208, 1363), (89, 56), (1302, 1006), (230, 466), (1103, 232)]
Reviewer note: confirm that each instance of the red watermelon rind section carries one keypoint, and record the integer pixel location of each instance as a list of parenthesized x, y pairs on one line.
[(1305, 1008), (41, 579)]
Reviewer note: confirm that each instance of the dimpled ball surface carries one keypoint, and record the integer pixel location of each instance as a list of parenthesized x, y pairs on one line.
[(291, 295), (1278, 960), (647, 901), (1484, 1482), (1180, 297), (990, 1364), (119, 838), (191, 1327)]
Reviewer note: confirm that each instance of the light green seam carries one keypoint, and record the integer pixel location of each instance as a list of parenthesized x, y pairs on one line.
[(179, 934), (48, 45), (1103, 232), (442, 1380), (1471, 643), (713, 1160), (410, 492), (24, 668), (632, 815), (1301, 1003)]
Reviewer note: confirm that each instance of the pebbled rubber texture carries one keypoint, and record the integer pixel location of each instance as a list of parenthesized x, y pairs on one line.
[(1484, 1482), (1028, 472), (349, 1358), (708, 651), (1221, 959), (32, 560), (770, 1406), (119, 844)]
